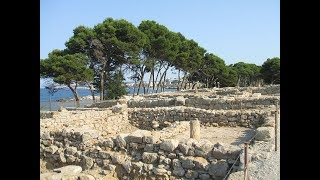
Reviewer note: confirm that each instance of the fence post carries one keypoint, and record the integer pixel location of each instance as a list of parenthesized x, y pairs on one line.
[(276, 127), (245, 160)]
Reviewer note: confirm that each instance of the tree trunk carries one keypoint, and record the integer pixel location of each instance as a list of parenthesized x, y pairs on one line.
[(153, 80), (50, 102), (162, 75), (134, 87), (183, 79), (75, 93), (102, 78), (178, 86), (141, 81), (160, 67), (238, 83), (164, 81), (151, 74), (91, 90), (101, 86)]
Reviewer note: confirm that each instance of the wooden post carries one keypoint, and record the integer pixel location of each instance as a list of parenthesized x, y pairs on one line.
[(246, 160), (276, 127), (195, 129)]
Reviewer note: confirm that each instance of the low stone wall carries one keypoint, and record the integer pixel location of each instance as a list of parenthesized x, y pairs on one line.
[(212, 102), (85, 119), (104, 104), (274, 89), (232, 102), (139, 155), (46, 114), (144, 117)]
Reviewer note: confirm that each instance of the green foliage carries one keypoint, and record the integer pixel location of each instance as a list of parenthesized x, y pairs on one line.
[(115, 87), (270, 71), (98, 55), (65, 68), (247, 73)]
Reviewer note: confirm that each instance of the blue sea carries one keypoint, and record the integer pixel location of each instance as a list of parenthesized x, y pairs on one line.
[(66, 93)]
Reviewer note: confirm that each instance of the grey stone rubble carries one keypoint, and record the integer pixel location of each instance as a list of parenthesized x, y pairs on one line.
[(77, 142)]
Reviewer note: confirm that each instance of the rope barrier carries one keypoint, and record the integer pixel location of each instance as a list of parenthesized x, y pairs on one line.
[(238, 158), (231, 167)]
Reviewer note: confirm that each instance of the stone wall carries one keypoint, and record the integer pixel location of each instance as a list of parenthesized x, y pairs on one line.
[(103, 104), (139, 155), (86, 119), (213, 102), (144, 118)]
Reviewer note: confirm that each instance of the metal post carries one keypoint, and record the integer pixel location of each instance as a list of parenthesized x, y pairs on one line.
[(245, 160), (276, 127)]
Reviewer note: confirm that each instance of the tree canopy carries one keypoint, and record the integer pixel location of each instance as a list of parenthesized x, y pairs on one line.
[(271, 70), (100, 55)]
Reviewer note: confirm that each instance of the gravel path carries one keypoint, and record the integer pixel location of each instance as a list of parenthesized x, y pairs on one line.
[(267, 163)]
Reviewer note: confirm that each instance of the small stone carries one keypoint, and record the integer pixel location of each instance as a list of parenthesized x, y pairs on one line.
[(148, 148), (191, 174), (86, 177), (214, 124), (167, 161), (70, 158), (86, 137), (150, 139), (68, 169), (108, 143), (51, 149), (147, 167), (71, 150), (172, 155), (62, 158), (86, 162), (127, 166), (149, 157), (111, 167), (104, 154), (120, 141), (159, 171)]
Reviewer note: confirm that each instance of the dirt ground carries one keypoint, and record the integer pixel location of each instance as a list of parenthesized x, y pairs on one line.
[(224, 135)]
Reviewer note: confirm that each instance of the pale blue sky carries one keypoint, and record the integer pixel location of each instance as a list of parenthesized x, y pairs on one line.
[(246, 30)]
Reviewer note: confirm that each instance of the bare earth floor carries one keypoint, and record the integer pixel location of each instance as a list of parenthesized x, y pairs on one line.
[(225, 135)]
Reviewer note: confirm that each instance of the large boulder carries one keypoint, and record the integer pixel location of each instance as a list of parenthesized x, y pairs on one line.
[(177, 168), (187, 162), (264, 133), (137, 136), (180, 101), (203, 148), (169, 145), (200, 163), (218, 169), (218, 151)]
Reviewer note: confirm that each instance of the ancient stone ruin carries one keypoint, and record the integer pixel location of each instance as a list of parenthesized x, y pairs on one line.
[(148, 137)]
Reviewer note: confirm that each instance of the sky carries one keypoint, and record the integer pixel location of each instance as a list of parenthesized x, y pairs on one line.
[(246, 30)]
